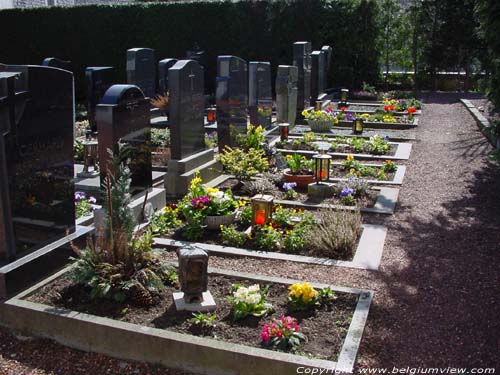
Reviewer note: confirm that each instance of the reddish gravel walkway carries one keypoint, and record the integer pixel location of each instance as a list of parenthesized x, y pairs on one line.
[(437, 292)]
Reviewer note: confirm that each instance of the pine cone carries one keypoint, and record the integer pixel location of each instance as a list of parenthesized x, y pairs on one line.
[(141, 296)]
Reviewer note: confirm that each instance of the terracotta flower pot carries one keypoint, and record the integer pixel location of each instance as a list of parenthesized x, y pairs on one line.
[(301, 180)]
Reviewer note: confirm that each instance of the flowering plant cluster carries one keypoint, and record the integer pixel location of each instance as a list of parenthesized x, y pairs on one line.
[(83, 204), (289, 188), (249, 301), (356, 169), (282, 334), (347, 196), (401, 105), (165, 220), (346, 116), (302, 296), (201, 202), (322, 115)]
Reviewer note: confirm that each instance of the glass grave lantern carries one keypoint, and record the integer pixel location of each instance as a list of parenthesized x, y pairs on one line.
[(284, 130), (357, 125), (262, 209), (211, 115), (321, 167), (319, 104), (193, 274), (343, 98)]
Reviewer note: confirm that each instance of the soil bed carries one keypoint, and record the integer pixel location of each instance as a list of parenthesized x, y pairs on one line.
[(325, 327), (302, 197), (338, 171)]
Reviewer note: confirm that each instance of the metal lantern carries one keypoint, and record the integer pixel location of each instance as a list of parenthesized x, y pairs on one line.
[(193, 275), (284, 129), (357, 125), (343, 95), (321, 167), (211, 115), (319, 104), (262, 209)]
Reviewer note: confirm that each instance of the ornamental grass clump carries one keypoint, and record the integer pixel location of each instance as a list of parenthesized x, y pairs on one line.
[(282, 334), (335, 234), (249, 301)]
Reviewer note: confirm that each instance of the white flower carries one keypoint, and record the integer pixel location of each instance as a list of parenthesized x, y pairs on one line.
[(253, 298), (218, 197), (254, 288)]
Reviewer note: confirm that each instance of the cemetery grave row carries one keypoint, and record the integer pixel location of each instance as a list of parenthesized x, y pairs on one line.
[(239, 196)]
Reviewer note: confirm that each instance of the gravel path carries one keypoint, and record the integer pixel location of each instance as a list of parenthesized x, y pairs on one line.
[(437, 291)]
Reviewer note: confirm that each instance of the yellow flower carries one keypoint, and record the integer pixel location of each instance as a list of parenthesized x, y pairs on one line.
[(212, 190), (302, 290), (249, 235), (304, 112), (365, 116), (352, 171), (350, 157), (242, 203)]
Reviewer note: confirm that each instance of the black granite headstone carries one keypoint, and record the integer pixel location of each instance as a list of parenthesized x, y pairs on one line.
[(302, 60), (39, 155), (186, 109), (54, 62), (317, 75), (123, 125), (141, 70), (286, 94), (99, 79), (323, 73), (231, 99), (260, 93), (163, 67), (328, 64)]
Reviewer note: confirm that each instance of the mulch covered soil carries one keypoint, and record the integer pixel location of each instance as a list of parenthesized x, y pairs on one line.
[(436, 292), (324, 327)]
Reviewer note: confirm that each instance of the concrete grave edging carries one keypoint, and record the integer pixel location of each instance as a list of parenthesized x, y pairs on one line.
[(134, 342), (367, 256)]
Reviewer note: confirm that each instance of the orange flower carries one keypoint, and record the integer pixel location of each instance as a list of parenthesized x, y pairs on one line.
[(411, 110)]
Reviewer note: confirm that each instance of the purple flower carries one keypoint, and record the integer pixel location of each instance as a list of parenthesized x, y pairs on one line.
[(201, 201), (346, 191), (386, 137), (92, 200), (80, 195), (350, 116), (289, 185)]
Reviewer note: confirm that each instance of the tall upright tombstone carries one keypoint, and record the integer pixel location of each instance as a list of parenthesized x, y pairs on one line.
[(186, 80), (54, 62), (98, 79), (141, 70), (317, 75), (286, 94), (260, 99), (322, 75), (123, 124), (37, 154), (163, 67), (302, 60), (328, 50), (231, 99)]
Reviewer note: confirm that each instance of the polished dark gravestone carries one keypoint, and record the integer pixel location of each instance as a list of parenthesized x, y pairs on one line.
[(163, 67), (37, 142), (123, 127), (260, 99), (328, 50), (186, 109), (98, 79), (189, 154), (54, 62), (322, 75), (302, 60), (286, 94), (231, 98), (141, 70), (317, 75)]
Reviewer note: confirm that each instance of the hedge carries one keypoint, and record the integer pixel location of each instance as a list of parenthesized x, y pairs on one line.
[(254, 30)]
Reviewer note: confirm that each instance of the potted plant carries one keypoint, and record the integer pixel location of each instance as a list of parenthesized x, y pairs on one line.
[(299, 170), (160, 147), (207, 207), (322, 120)]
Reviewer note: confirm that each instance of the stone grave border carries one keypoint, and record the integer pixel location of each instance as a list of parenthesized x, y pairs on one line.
[(367, 256), (397, 179), (482, 122), (112, 337)]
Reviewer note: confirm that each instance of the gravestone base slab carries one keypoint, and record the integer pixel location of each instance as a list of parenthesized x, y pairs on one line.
[(322, 190), (207, 303), (181, 172)]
